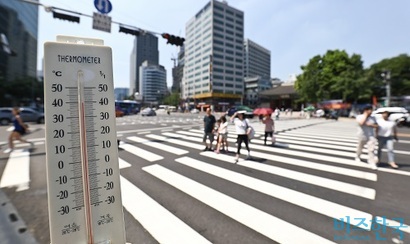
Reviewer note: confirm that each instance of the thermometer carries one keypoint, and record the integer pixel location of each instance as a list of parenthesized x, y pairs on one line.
[(84, 197)]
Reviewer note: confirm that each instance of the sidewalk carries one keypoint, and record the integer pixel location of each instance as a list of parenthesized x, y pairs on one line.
[(12, 228)]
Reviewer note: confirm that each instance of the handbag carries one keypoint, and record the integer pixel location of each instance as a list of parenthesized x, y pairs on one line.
[(250, 131)]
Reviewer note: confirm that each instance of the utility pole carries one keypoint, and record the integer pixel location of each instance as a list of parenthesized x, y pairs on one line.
[(386, 80), (175, 62)]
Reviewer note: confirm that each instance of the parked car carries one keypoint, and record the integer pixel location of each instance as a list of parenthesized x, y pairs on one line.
[(26, 114), (398, 114), (194, 111), (248, 113), (333, 114), (148, 112)]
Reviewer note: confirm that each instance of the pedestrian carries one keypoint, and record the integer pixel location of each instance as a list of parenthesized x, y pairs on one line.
[(386, 132), (366, 135), (19, 129), (209, 124), (277, 113), (222, 140), (242, 131), (269, 127)]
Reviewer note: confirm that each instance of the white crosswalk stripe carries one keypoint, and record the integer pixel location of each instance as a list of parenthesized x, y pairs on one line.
[(245, 214), (17, 171)]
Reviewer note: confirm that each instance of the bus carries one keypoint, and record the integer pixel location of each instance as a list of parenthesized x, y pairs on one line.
[(128, 106)]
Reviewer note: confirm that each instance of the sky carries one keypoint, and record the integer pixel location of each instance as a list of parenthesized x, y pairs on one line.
[(293, 30)]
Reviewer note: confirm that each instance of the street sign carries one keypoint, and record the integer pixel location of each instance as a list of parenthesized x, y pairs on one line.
[(103, 6), (101, 22)]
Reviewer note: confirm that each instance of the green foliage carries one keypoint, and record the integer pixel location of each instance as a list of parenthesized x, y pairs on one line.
[(399, 68), (335, 75), (21, 91), (172, 99)]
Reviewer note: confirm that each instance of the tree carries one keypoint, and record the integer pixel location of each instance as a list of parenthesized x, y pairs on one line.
[(335, 75), (172, 99), (399, 68), (22, 91)]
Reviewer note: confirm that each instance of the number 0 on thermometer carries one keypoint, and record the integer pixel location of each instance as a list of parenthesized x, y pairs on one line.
[(84, 195)]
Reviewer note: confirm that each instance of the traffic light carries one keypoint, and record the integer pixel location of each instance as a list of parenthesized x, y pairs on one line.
[(173, 40), (129, 31), (71, 18)]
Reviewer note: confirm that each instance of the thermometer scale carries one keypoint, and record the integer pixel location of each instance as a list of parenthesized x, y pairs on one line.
[(83, 178)]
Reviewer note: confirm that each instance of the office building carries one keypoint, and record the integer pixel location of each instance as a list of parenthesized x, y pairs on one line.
[(153, 83), (256, 72), (121, 93), (19, 24), (213, 69), (178, 71), (145, 49), (256, 60)]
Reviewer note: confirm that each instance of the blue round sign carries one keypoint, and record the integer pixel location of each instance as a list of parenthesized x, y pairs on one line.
[(103, 6)]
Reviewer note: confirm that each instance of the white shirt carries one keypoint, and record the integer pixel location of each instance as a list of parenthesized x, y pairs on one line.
[(223, 128), (241, 126), (386, 127), (365, 130)]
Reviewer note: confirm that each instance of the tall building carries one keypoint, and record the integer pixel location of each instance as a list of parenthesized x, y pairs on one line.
[(178, 71), (256, 60), (121, 93), (153, 83), (19, 23), (256, 72), (145, 49), (213, 70)]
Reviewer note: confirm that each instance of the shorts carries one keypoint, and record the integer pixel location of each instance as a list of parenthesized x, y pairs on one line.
[(21, 132), (224, 136), (209, 135)]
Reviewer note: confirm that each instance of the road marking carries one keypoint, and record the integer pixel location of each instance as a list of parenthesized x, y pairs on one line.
[(158, 145), (123, 164), (309, 202), (178, 142), (17, 171), (394, 224), (306, 164), (335, 185), (157, 220), (147, 155), (268, 225)]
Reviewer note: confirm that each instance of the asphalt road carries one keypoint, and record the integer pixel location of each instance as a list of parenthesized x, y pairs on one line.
[(304, 189)]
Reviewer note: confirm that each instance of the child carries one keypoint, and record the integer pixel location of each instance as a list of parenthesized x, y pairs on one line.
[(222, 139)]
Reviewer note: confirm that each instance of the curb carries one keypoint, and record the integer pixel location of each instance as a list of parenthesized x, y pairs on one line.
[(12, 228)]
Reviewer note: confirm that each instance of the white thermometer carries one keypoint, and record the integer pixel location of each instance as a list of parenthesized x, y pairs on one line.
[(84, 196)]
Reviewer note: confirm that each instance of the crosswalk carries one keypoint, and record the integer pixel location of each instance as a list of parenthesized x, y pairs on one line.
[(301, 190)]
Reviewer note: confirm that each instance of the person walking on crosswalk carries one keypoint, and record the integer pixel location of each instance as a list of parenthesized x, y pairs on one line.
[(386, 134), (209, 126), (269, 127), (242, 130), (222, 140), (366, 135), (19, 130)]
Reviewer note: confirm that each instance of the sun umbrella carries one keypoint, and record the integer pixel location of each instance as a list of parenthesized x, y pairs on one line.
[(310, 108), (262, 111)]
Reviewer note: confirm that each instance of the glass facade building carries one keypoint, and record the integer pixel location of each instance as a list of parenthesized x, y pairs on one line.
[(153, 83), (19, 23), (145, 49)]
